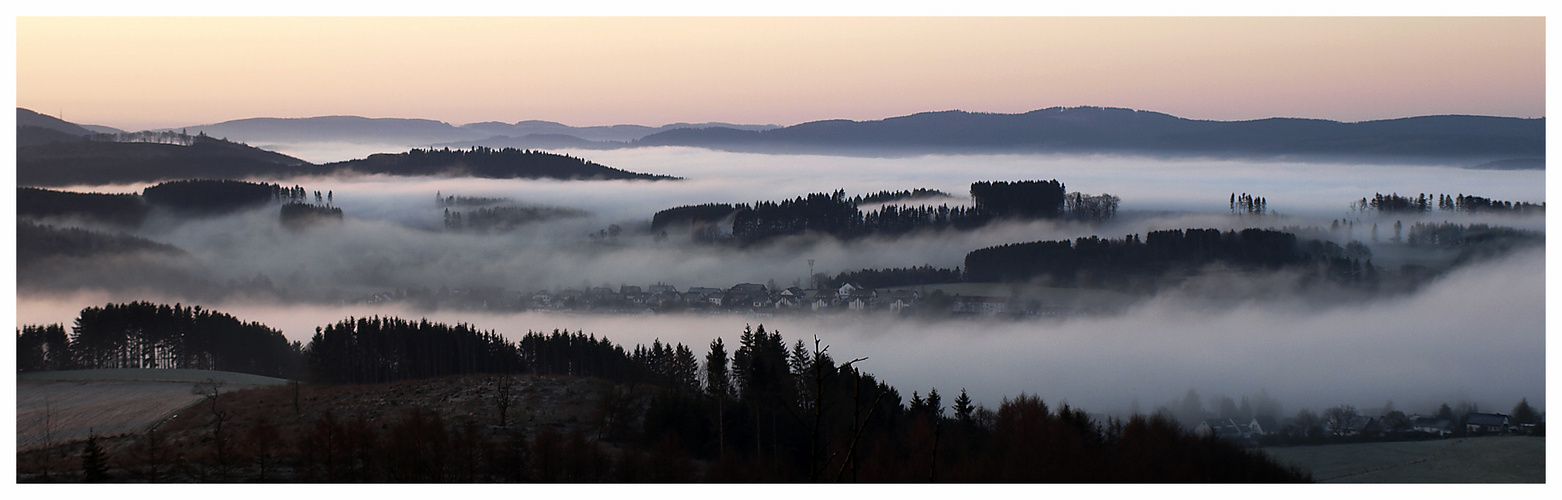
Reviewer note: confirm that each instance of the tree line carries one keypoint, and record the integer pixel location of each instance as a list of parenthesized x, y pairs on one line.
[(887, 196), (1422, 203), (896, 277), (146, 335)]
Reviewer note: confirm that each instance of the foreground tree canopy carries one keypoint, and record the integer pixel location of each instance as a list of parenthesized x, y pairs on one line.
[(767, 411)]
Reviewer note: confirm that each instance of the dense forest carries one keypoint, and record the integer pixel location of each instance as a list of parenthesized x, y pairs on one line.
[(205, 196), (298, 214), (370, 350), (838, 216), (506, 163), (708, 213), (38, 241), (146, 335), (505, 218), (762, 411), (123, 210), (1117, 263), (188, 197), (467, 201)]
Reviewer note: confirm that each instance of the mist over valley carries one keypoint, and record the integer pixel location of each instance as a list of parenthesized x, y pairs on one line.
[(1126, 284), (1148, 346)]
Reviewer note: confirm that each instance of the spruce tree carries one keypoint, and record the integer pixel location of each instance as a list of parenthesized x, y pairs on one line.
[(94, 463)]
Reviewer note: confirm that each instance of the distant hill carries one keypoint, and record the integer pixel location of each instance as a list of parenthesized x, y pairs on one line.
[(353, 129), (535, 141), (490, 163), (29, 118), (33, 128), (1109, 130), (357, 129), (1513, 164)]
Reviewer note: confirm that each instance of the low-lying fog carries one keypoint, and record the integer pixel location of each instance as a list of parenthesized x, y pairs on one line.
[(1476, 335), (393, 236)]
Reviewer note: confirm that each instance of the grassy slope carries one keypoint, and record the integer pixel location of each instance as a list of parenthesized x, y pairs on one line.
[(1509, 459), (69, 404)]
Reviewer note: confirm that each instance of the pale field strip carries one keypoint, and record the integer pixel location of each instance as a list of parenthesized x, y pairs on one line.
[(67, 405)]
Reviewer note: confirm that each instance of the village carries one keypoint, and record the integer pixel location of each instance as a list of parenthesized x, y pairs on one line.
[(1344, 424), (760, 300)]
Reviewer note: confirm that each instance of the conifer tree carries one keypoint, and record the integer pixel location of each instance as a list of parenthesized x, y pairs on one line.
[(94, 463)]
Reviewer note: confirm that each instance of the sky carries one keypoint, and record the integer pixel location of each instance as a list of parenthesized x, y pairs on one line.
[(147, 72)]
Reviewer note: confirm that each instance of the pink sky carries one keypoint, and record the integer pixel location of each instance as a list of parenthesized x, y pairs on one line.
[(137, 73)]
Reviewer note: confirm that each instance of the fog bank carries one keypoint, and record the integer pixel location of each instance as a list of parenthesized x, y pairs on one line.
[(1476, 335)]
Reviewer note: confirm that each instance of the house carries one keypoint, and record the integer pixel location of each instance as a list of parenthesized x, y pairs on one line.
[(974, 304), (751, 299), (1486, 423), (748, 288), (786, 300), (699, 294), (1223, 428), (821, 299), (1263, 425), (1357, 425), (860, 299), (902, 299), (1432, 425), (845, 292)]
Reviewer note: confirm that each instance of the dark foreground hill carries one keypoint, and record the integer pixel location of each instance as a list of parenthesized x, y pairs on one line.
[(393, 400), (94, 162)]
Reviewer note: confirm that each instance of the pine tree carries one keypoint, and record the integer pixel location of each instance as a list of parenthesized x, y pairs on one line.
[(94, 463), (963, 408), (718, 381)]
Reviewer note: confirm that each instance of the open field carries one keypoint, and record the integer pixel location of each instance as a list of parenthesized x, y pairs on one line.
[(67, 405), (1505, 459)]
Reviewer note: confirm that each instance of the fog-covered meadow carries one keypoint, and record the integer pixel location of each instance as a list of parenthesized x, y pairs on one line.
[(1476, 334)]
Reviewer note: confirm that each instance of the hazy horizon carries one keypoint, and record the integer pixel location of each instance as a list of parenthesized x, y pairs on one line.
[(784, 71)]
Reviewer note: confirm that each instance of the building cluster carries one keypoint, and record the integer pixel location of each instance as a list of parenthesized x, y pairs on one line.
[(742, 297), (1391, 426), (748, 298)]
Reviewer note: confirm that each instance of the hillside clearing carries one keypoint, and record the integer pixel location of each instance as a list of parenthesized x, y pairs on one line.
[(1506, 459), (62, 406)]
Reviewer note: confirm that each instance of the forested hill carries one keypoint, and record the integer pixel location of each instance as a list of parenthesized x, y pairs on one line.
[(504, 163), (110, 162), (1467, 139)]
